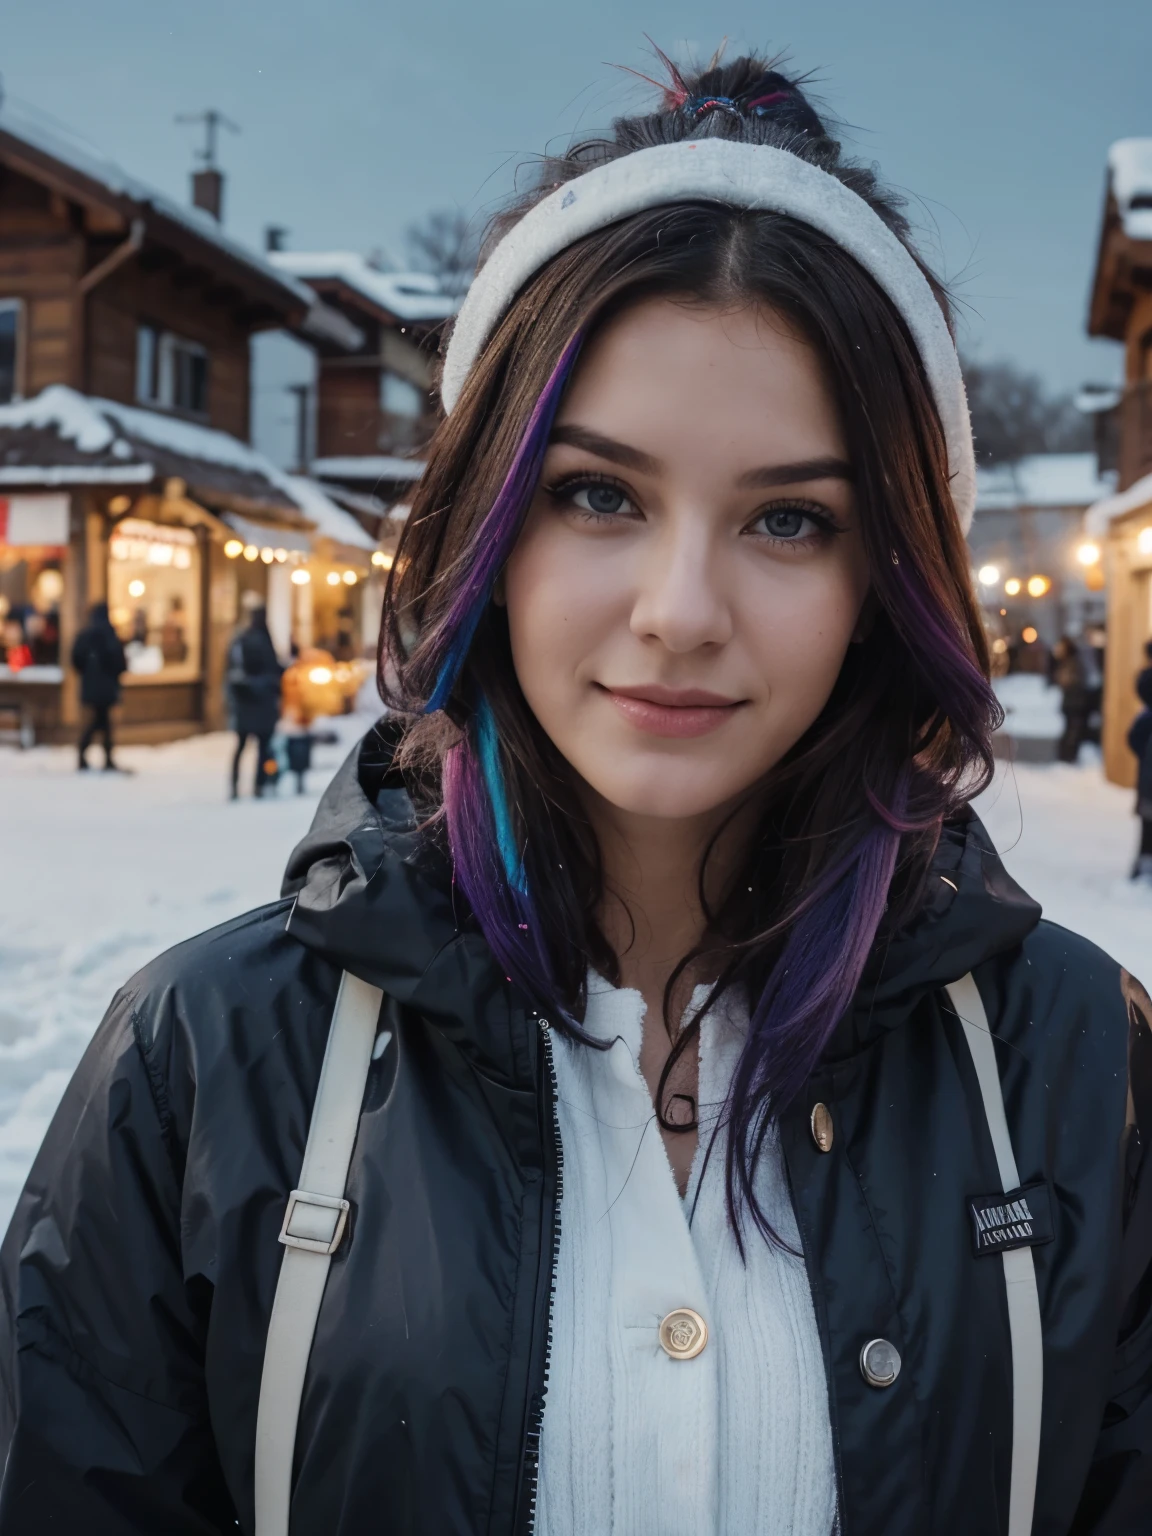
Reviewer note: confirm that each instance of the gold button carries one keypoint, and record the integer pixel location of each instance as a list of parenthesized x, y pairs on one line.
[(821, 1123), (683, 1334)]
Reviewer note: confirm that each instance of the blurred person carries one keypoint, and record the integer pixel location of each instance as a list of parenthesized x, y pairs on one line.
[(253, 684), (652, 1107), (1068, 672), (98, 656), (1140, 740)]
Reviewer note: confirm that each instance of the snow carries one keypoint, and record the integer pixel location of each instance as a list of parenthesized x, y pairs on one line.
[(414, 296), (1042, 480), (1104, 512), (64, 145), (332, 522), (103, 872), (1130, 164), (368, 466), (94, 425), (1031, 708)]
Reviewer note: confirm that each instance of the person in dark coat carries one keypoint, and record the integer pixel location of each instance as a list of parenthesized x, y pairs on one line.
[(98, 656), (1140, 741), (253, 682), (1070, 674)]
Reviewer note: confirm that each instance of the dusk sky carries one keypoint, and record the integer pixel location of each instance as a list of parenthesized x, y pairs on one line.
[(356, 118)]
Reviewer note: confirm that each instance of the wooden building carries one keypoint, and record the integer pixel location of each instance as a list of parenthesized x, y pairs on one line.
[(125, 470), (1121, 308), (375, 405)]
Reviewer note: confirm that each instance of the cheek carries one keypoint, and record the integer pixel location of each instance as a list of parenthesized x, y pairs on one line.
[(797, 635), (563, 602)]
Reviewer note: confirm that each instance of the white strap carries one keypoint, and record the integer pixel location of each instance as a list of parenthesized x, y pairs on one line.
[(313, 1227), (1019, 1269)]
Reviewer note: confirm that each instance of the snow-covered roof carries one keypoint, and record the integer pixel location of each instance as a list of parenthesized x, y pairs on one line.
[(332, 522), (413, 296), (60, 143), (1092, 398), (1042, 480), (61, 436), (367, 466), (1130, 165), (1104, 512)]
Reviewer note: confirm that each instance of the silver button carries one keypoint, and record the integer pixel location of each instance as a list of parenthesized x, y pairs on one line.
[(879, 1363)]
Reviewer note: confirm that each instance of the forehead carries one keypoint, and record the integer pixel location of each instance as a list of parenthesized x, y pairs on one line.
[(668, 374)]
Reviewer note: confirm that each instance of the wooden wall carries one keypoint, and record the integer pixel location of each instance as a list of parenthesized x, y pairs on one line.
[(348, 417), (42, 249), (133, 294)]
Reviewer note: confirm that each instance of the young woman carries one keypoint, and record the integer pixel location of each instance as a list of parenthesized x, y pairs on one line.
[(711, 1138)]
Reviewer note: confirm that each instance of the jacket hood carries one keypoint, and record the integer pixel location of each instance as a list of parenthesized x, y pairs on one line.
[(376, 898)]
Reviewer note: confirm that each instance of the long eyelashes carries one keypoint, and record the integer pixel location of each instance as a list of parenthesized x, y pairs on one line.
[(824, 526)]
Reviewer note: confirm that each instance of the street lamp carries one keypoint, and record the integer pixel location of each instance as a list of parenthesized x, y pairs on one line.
[(988, 575), (1088, 554), (1012, 586), (1038, 585)]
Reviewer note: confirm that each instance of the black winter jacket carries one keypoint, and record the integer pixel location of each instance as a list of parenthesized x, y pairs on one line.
[(254, 674), (98, 656), (139, 1270)]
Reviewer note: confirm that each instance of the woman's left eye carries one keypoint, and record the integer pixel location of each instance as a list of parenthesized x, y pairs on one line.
[(791, 524)]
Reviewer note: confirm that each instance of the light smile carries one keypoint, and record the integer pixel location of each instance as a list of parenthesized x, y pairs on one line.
[(672, 712)]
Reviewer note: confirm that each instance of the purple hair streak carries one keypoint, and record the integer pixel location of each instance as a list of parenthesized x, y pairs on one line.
[(496, 534)]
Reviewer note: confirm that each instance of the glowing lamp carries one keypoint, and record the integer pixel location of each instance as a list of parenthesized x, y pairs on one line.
[(279, 555), (320, 676), (1088, 554), (251, 552), (234, 549), (333, 578), (301, 577), (999, 645), (988, 575), (1144, 541), (1012, 586), (119, 505), (135, 589), (349, 578), (1029, 635), (1038, 585), (267, 554), (381, 560)]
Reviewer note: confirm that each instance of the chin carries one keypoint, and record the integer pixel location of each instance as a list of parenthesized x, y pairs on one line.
[(668, 792)]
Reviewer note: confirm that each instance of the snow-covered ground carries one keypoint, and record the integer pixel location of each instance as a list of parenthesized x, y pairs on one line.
[(100, 872)]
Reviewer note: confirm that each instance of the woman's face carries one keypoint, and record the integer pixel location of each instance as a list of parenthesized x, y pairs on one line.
[(691, 571)]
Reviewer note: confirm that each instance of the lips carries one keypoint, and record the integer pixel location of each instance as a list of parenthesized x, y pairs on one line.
[(673, 712)]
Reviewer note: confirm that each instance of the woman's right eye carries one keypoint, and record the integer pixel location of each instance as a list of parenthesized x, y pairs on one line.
[(600, 500)]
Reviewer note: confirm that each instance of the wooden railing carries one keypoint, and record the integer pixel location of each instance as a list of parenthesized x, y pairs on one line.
[(1136, 433)]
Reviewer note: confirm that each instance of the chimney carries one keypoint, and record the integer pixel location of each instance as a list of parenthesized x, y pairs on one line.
[(274, 237), (208, 191)]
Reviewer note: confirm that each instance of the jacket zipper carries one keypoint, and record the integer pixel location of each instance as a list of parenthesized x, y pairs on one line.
[(536, 1408)]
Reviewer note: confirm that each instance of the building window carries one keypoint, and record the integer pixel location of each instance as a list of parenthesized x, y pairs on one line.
[(171, 371), (400, 397), (9, 346), (154, 599)]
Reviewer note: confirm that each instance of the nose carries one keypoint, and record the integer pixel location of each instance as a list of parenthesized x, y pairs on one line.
[(680, 599)]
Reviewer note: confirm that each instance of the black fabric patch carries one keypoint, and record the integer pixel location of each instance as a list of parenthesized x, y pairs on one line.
[(1020, 1219)]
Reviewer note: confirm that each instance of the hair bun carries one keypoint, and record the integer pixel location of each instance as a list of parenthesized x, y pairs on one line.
[(746, 90)]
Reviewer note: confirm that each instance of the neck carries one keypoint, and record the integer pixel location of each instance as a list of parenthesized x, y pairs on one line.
[(652, 914)]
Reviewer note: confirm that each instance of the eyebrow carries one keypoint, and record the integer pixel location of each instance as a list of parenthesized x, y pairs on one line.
[(827, 468)]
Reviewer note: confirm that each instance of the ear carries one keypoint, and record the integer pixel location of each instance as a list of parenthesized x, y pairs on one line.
[(865, 619)]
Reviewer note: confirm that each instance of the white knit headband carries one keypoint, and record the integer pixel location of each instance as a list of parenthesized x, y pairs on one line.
[(744, 176)]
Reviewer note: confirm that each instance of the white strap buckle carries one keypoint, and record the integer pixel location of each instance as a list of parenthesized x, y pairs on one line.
[(314, 1222)]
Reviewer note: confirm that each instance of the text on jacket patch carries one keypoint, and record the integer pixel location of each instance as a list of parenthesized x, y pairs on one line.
[(1019, 1219)]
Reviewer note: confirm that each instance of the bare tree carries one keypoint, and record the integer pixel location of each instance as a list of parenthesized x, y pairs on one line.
[(1014, 414), (445, 244)]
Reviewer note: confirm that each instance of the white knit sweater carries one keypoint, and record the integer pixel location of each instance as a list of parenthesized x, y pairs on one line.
[(735, 1442)]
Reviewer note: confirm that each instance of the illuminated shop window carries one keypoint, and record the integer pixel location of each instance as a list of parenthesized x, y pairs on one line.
[(154, 583)]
